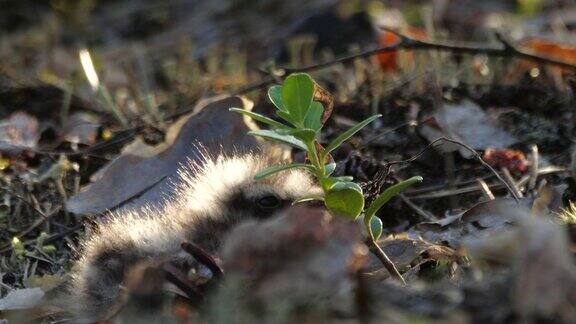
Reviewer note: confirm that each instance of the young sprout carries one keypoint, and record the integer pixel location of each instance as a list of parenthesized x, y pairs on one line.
[(301, 128)]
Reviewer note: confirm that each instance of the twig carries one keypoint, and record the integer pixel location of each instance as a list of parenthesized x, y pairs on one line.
[(474, 153), (39, 222), (407, 43), (424, 214), (533, 168), (433, 192), (412, 123), (52, 238), (130, 133), (388, 264), (485, 189), (512, 182), (469, 186), (24, 200), (451, 192)]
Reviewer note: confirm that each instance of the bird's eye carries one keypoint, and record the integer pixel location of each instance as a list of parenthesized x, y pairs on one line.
[(270, 201)]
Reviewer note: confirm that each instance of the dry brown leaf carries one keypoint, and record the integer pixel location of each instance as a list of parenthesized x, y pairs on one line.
[(548, 200), (18, 132), (406, 252), (82, 128), (468, 123), (150, 172), (480, 220)]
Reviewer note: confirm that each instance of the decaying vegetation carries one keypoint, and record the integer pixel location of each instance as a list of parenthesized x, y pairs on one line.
[(100, 101)]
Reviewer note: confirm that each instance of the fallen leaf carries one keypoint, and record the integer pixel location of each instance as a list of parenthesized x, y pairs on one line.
[(550, 49), (82, 128), (481, 220), (148, 174), (513, 160), (548, 200), (18, 132), (406, 252), (468, 123), (389, 61)]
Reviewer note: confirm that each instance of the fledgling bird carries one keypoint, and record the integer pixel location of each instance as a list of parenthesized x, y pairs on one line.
[(216, 195)]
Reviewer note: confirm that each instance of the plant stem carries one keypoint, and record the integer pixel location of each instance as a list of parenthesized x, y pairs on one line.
[(375, 248), (315, 160), (107, 101), (388, 264)]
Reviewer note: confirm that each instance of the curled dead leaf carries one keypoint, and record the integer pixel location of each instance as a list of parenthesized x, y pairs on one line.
[(148, 174)]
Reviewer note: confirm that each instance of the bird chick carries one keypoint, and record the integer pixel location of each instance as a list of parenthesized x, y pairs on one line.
[(216, 195)]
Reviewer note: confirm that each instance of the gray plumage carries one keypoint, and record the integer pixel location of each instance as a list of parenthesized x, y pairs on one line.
[(215, 196)]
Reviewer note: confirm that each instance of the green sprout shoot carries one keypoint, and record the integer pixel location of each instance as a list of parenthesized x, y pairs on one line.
[(304, 119)]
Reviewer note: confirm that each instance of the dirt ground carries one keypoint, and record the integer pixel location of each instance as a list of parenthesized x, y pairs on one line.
[(488, 236)]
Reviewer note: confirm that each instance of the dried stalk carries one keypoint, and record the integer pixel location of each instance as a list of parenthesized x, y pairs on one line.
[(388, 264)]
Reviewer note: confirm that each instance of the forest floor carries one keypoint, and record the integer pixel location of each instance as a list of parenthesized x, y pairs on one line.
[(488, 236)]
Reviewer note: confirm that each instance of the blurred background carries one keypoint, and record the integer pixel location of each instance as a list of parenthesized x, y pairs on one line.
[(169, 53), (80, 79)]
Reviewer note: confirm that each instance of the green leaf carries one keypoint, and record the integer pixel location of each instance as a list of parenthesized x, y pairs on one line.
[(327, 183), (260, 118), (329, 168), (345, 199), (344, 178), (305, 134), (389, 193), (284, 139), (277, 168), (308, 198), (376, 225), (349, 133), (313, 118), (286, 116), (275, 95), (297, 94)]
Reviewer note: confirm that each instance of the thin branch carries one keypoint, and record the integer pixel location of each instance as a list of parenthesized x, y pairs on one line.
[(510, 179), (533, 167), (388, 264), (52, 238), (39, 222), (24, 200), (485, 189), (421, 212), (406, 43), (471, 150)]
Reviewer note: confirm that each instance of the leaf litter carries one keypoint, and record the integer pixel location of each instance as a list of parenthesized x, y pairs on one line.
[(210, 127), (482, 260)]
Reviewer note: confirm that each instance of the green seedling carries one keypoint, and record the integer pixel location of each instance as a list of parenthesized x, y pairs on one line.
[(302, 122)]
